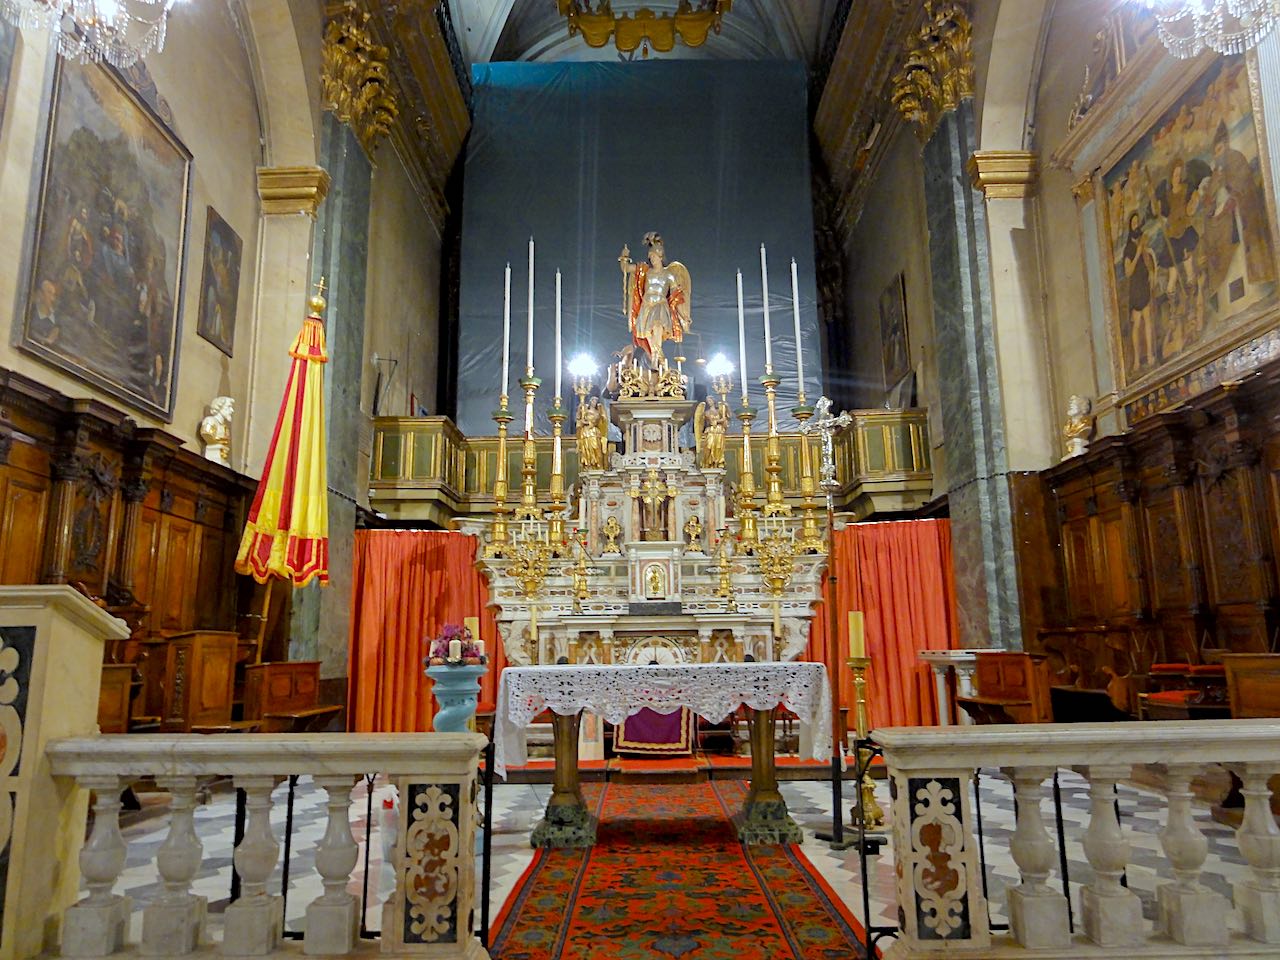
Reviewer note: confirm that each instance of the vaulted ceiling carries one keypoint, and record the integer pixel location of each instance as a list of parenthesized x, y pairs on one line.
[(490, 30)]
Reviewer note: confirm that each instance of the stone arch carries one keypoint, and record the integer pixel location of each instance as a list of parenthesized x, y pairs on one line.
[(283, 40), (1007, 97)]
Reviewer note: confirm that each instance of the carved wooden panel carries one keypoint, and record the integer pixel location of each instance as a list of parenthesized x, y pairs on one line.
[(146, 555), (24, 500), (1233, 575), (1170, 585), (1077, 547), (178, 545)]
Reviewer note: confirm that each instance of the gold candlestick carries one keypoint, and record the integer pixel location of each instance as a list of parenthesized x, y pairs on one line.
[(528, 509), (872, 814), (747, 484), (724, 589), (775, 504), (498, 542), (555, 514), (810, 540)]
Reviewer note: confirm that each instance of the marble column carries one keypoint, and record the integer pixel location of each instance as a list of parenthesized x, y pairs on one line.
[(321, 616), (970, 390)]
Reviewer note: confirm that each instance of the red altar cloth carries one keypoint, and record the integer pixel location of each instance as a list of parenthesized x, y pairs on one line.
[(651, 733)]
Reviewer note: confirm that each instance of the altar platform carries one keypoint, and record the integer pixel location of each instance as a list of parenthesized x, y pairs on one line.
[(691, 769)]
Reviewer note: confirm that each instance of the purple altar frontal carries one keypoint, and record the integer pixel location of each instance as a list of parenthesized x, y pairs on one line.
[(651, 733)]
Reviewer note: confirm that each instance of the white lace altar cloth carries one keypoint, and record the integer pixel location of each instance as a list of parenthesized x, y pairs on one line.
[(615, 692)]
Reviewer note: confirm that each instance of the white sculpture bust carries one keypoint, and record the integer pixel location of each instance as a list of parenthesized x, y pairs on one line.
[(1079, 426), (215, 430)]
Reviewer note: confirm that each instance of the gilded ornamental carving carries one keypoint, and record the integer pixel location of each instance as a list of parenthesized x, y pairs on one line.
[(937, 69)]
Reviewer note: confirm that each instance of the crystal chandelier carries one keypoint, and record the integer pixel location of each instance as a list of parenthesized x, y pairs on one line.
[(1227, 26), (121, 32)]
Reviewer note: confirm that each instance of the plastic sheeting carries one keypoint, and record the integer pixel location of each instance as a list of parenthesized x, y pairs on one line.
[(585, 157)]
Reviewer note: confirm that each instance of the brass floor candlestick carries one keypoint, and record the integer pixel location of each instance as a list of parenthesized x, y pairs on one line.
[(528, 509), (872, 815), (775, 503), (555, 515), (498, 541), (747, 484)]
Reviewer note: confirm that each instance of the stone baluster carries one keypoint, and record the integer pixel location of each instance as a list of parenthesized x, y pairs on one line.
[(1188, 913), (1258, 898), (96, 926), (333, 918), (254, 922), (173, 923), (1037, 914), (1112, 914)]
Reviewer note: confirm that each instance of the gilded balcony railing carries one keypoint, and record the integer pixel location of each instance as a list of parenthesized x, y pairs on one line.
[(425, 468)]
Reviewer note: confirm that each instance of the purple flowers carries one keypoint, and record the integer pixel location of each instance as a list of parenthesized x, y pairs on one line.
[(442, 650)]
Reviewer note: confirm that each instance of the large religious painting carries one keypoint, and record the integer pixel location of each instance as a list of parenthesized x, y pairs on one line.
[(102, 298), (1191, 239), (219, 283), (895, 354), (8, 47)]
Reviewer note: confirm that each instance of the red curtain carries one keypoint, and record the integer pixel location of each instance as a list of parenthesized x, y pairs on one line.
[(407, 586), (899, 574)]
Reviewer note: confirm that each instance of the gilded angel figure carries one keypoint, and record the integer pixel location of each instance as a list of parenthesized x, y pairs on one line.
[(710, 423), (656, 299)]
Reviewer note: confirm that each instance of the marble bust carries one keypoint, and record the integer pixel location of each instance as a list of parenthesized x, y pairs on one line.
[(1078, 428), (215, 430)]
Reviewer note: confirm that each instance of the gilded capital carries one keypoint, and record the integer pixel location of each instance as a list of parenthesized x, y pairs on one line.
[(937, 70), (1004, 174), (290, 190), (355, 81)]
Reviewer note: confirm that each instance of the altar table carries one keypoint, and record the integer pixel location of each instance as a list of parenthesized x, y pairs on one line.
[(615, 692)]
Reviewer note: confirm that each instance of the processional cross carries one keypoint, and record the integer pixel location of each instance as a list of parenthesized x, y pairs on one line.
[(827, 427)]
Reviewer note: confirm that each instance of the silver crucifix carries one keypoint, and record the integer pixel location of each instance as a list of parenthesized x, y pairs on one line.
[(827, 426)]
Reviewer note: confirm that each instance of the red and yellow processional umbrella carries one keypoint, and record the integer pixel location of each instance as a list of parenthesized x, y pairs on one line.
[(287, 534)]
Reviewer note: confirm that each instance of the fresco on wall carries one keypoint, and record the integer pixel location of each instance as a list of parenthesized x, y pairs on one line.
[(219, 283), (1189, 227), (102, 298), (8, 48), (895, 353)]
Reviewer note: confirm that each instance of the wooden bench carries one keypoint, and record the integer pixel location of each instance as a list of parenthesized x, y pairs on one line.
[(283, 697), (1253, 684), (1011, 688)]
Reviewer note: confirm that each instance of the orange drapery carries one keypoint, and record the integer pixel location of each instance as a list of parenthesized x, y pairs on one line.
[(407, 585), (899, 574)]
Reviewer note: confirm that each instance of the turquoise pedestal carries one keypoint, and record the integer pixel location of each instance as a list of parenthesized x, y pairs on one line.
[(456, 688)]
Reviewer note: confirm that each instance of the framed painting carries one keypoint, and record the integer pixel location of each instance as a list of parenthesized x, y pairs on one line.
[(8, 51), (1188, 227), (219, 283), (102, 295), (895, 352)]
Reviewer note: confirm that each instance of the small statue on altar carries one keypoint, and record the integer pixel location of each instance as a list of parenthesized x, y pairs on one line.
[(693, 533), (655, 298), (592, 430), (612, 530), (1079, 426), (215, 430), (710, 422)]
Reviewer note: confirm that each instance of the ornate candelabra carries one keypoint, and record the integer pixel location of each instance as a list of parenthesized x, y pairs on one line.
[(747, 484), (528, 509), (775, 504), (529, 558), (498, 541), (810, 540), (872, 814), (555, 514), (776, 554), (724, 589), (581, 590)]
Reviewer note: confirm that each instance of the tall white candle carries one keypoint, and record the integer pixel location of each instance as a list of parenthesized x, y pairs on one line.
[(529, 347), (559, 362), (506, 329), (764, 287), (742, 343), (795, 315)]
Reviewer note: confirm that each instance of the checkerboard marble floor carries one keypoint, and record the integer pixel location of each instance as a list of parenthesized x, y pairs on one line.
[(517, 807)]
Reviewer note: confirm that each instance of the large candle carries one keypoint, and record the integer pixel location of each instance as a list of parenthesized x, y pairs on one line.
[(529, 348), (558, 360), (742, 343), (506, 329), (795, 315), (764, 287), (857, 638)]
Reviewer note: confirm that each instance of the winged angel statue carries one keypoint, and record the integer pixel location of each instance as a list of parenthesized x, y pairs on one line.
[(656, 299)]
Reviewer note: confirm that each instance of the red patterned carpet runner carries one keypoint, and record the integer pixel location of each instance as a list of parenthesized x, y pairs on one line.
[(668, 878)]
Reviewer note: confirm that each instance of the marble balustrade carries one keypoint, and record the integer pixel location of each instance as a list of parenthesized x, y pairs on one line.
[(429, 914), (941, 907)]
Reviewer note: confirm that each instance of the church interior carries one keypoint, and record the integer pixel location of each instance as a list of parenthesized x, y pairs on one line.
[(545, 479)]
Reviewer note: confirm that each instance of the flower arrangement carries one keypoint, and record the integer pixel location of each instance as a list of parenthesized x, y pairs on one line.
[(455, 646)]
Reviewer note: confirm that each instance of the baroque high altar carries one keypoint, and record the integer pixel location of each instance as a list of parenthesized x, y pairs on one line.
[(653, 556)]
